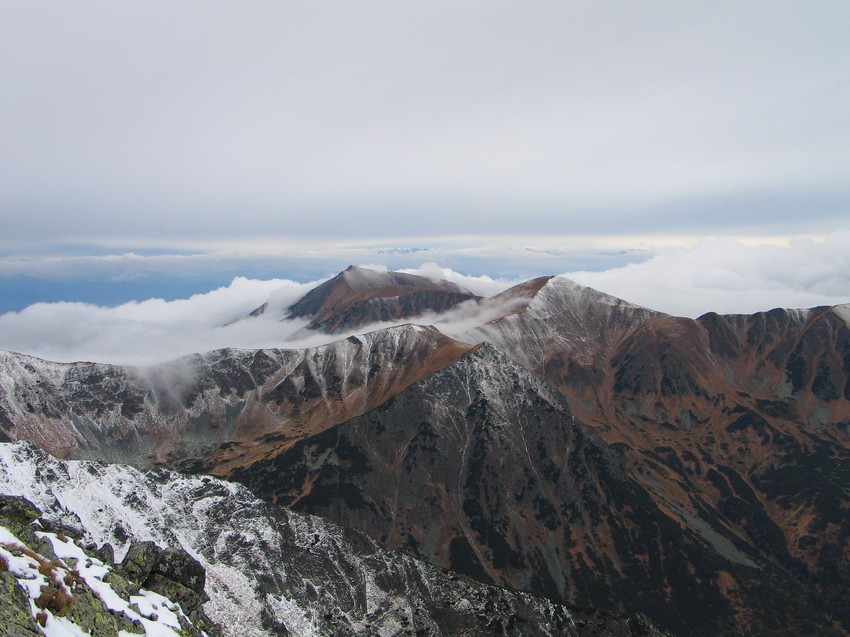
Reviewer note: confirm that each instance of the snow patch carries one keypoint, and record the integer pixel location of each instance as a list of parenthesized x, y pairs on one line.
[(157, 614), (843, 312)]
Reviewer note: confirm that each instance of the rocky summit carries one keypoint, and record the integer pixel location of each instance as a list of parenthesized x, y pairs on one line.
[(359, 296), (485, 468)]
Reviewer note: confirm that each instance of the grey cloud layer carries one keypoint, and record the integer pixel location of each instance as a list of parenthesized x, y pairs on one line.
[(259, 118)]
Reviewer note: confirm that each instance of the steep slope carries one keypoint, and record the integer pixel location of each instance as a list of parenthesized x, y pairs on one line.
[(563, 332), (51, 585), (738, 420), (358, 296), (482, 469), (274, 572), (718, 446), (220, 409), (799, 356)]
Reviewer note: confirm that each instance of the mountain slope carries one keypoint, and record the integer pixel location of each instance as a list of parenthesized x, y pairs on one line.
[(274, 572), (738, 420), (218, 409), (709, 486), (481, 468), (357, 297), (51, 585)]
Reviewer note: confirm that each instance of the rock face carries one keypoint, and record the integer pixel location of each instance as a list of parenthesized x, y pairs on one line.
[(700, 473), (482, 469), (739, 421), (224, 409), (357, 297), (269, 571), (50, 584), (171, 572)]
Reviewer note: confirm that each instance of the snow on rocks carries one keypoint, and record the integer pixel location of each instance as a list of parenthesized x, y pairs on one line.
[(268, 570), (71, 594)]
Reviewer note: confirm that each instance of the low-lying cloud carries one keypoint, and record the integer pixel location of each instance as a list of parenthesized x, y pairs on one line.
[(143, 332), (482, 285), (729, 277), (714, 275), (155, 330)]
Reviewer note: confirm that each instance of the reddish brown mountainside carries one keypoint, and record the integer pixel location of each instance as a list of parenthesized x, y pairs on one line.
[(705, 478), (737, 420), (357, 296), (480, 468)]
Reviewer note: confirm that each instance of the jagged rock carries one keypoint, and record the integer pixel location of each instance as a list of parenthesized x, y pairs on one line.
[(17, 512), (176, 564), (106, 553), (190, 600), (171, 572), (139, 562), (38, 587), (270, 571)]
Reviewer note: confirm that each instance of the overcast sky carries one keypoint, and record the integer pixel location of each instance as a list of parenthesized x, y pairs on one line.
[(203, 121), (158, 148)]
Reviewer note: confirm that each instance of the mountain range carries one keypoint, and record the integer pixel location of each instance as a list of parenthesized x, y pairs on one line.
[(551, 439)]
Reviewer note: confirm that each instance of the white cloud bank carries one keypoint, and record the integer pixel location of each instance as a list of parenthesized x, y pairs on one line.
[(728, 277), (481, 285), (155, 330), (143, 332), (720, 275)]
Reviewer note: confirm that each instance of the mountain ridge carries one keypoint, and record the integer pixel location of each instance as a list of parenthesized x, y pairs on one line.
[(390, 473), (203, 401), (731, 431), (270, 571)]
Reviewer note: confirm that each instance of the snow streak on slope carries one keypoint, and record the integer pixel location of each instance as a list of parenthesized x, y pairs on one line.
[(560, 315), (116, 505), (192, 405), (270, 570), (844, 312)]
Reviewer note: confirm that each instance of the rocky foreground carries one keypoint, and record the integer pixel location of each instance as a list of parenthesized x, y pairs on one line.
[(212, 557), (55, 584)]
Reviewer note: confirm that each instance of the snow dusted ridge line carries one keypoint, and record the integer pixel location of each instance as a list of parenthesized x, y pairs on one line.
[(152, 331), (270, 570), (192, 405)]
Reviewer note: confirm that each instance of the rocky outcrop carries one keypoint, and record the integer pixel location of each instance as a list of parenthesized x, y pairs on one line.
[(270, 571), (49, 582), (171, 572)]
